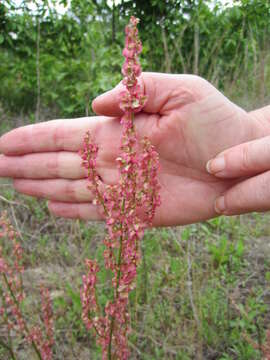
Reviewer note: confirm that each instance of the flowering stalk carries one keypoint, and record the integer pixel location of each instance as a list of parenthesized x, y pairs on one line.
[(129, 208), (12, 296)]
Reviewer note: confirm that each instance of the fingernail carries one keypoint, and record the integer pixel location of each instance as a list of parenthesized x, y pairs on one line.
[(220, 206), (216, 165)]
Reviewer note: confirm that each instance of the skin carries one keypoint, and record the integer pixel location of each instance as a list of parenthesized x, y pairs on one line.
[(250, 160), (187, 120)]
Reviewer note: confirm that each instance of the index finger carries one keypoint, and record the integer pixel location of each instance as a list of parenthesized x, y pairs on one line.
[(58, 135)]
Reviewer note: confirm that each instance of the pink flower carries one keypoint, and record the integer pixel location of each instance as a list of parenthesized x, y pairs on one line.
[(12, 295), (129, 207), (3, 266)]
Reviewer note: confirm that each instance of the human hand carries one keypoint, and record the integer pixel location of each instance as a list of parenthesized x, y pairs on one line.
[(186, 119), (251, 162)]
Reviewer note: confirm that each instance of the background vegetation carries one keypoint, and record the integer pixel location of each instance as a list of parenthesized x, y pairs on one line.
[(54, 64), (203, 290)]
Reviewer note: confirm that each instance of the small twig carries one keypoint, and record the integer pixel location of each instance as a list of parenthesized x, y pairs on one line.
[(38, 231), (175, 236), (189, 287), (10, 202), (16, 224), (136, 349)]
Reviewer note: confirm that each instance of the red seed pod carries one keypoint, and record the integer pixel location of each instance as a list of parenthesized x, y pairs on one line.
[(129, 207)]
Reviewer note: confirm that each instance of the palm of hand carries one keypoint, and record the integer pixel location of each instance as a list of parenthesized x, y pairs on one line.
[(185, 117), (189, 122)]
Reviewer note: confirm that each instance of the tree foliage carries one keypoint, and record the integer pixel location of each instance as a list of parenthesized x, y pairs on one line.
[(55, 64)]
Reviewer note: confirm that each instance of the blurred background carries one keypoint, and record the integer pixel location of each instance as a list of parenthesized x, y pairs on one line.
[(203, 290), (57, 55)]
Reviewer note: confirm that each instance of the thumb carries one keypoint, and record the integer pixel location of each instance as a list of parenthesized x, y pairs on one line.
[(164, 92), (108, 103)]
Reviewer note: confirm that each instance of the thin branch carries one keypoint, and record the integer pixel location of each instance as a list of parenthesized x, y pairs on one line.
[(196, 48), (16, 224), (38, 71), (178, 47), (166, 51), (189, 287), (10, 202)]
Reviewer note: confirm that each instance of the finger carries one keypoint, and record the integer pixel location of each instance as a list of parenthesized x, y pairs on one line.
[(65, 165), (74, 191), (42, 166), (163, 91), (59, 135), (249, 195), (242, 160), (76, 211)]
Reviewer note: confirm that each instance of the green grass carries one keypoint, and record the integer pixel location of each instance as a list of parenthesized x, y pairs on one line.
[(202, 289)]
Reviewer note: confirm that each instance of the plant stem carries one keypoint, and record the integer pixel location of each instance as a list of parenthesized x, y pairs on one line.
[(110, 343), (100, 197), (117, 283), (9, 349), (25, 325), (8, 346)]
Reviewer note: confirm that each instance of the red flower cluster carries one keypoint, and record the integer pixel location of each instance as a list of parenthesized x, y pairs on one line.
[(12, 295), (132, 99), (129, 207)]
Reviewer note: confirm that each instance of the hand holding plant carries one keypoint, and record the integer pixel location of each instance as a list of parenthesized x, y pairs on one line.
[(185, 118)]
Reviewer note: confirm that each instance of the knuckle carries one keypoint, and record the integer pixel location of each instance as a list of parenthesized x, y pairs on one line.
[(247, 161), (266, 151), (70, 191), (263, 189)]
